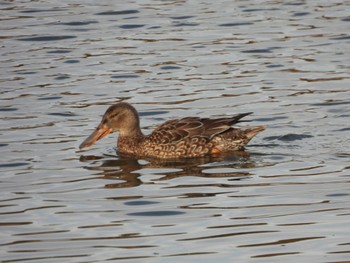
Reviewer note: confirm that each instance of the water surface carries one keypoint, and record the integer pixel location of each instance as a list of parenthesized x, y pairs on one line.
[(285, 199)]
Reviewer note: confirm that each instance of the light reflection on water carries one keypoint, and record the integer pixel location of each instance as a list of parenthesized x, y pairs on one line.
[(285, 198)]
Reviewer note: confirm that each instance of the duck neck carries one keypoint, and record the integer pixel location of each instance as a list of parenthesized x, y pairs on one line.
[(133, 132), (131, 142)]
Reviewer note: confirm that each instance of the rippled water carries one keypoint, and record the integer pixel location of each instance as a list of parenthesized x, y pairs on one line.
[(285, 199)]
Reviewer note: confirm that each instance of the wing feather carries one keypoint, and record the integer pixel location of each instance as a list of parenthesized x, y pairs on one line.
[(174, 131)]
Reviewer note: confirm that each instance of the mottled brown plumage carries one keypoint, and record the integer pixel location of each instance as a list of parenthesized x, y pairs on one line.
[(179, 138)]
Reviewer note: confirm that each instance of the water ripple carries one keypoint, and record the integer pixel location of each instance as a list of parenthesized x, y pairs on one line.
[(285, 198)]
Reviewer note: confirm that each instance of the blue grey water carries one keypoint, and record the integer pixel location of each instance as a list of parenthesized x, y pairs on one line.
[(287, 198)]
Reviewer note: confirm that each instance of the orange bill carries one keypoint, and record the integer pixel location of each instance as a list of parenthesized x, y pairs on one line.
[(100, 132)]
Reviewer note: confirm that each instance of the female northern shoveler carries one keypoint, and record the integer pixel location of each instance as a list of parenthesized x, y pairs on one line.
[(179, 138)]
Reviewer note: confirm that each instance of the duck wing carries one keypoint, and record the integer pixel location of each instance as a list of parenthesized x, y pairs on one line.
[(180, 129), (213, 127)]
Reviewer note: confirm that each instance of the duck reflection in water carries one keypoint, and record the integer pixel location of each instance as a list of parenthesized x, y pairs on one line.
[(124, 168), (191, 145)]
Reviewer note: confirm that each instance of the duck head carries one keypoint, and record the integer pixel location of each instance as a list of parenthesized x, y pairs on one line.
[(120, 117)]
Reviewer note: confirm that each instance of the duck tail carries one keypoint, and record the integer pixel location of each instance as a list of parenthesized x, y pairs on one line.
[(250, 133)]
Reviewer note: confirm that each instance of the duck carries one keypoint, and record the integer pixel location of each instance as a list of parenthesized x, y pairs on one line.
[(187, 137)]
